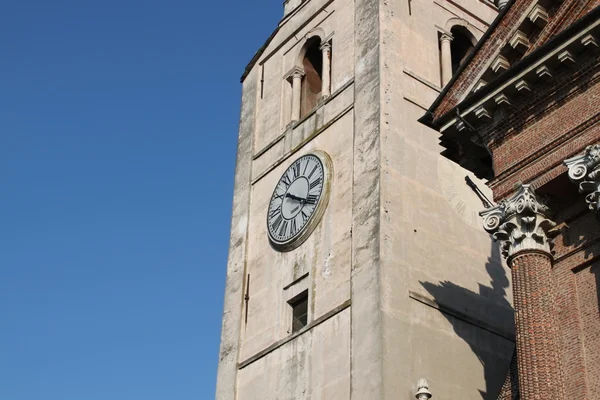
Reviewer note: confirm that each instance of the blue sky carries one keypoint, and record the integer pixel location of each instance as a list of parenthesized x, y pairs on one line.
[(118, 127)]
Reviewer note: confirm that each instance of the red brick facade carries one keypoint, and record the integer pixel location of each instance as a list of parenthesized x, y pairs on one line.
[(543, 110)]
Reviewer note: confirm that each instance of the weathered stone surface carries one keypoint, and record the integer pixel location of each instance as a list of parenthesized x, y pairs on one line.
[(236, 264), (401, 224), (367, 352)]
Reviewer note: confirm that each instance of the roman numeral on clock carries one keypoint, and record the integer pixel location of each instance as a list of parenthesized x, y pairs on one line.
[(314, 184), (277, 222), (294, 227), (305, 216), (283, 228), (313, 171), (296, 169), (312, 199), (274, 212)]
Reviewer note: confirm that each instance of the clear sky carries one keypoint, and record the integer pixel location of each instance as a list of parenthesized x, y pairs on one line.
[(118, 127)]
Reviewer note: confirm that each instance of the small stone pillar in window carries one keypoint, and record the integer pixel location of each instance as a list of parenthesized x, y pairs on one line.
[(295, 78), (326, 49), (445, 40)]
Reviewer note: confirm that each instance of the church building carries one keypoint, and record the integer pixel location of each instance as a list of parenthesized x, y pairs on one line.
[(359, 267), (523, 111)]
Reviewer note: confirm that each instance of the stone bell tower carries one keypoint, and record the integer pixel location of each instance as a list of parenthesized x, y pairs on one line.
[(376, 281)]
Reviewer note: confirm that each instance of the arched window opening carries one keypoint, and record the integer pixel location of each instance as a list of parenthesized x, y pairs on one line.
[(312, 83), (460, 47)]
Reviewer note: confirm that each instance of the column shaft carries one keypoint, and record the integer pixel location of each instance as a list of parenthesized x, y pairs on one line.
[(296, 96), (446, 58), (326, 51), (540, 373)]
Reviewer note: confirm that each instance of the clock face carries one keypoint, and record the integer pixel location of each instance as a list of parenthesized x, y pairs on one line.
[(298, 201)]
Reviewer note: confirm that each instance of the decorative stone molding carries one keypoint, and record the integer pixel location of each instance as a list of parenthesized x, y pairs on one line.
[(502, 100), (481, 83), (483, 114), (522, 86), (589, 40), (423, 392), (519, 42), (521, 223), (543, 72), (566, 57), (539, 16), (500, 64), (584, 170)]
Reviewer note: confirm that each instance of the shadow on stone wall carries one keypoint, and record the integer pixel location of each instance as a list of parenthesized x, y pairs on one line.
[(465, 308)]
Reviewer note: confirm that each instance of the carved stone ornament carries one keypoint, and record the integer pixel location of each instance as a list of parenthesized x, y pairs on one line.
[(584, 170), (423, 392), (521, 223)]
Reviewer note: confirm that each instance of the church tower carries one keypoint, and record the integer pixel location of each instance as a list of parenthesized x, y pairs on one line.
[(356, 250)]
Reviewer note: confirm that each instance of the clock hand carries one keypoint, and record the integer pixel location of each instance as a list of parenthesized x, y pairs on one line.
[(291, 196)]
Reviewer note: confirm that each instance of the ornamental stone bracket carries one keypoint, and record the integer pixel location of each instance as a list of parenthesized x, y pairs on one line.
[(521, 223), (584, 170)]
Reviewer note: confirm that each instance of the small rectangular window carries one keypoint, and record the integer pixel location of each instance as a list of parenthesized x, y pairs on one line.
[(299, 306)]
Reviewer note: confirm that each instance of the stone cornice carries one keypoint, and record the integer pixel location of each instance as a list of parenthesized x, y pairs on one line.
[(521, 223), (577, 43)]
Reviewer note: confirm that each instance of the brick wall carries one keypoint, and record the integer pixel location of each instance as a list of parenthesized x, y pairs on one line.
[(529, 145), (576, 276), (587, 283), (559, 120)]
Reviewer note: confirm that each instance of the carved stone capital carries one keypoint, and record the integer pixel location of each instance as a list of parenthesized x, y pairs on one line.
[(584, 170), (521, 223), (294, 73), (446, 37), (325, 47)]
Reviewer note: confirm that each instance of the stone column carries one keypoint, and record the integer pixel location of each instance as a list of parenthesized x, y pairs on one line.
[(521, 223), (446, 39), (326, 51), (584, 170), (296, 94)]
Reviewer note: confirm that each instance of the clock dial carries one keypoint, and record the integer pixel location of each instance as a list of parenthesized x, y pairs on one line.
[(299, 196)]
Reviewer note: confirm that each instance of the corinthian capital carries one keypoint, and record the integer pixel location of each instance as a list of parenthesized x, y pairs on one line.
[(584, 170), (521, 223)]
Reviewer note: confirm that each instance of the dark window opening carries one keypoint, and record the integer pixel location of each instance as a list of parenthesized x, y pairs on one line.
[(299, 306), (312, 83), (460, 47)]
